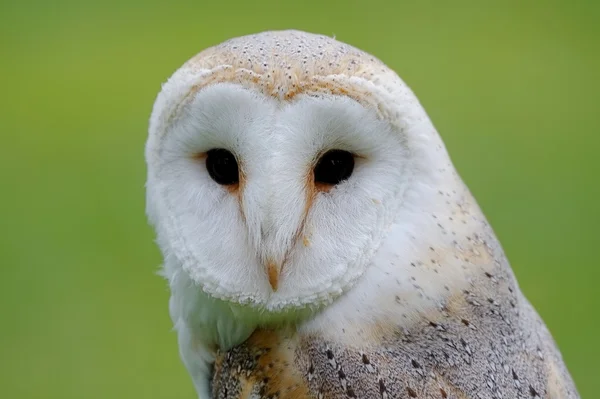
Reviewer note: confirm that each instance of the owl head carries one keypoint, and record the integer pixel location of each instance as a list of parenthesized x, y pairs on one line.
[(278, 165)]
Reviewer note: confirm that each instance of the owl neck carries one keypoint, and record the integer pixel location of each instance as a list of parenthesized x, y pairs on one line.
[(427, 259)]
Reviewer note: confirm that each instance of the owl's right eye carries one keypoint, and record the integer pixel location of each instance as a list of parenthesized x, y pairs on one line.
[(222, 166)]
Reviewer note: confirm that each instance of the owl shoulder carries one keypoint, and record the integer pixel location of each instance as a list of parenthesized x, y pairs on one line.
[(470, 351)]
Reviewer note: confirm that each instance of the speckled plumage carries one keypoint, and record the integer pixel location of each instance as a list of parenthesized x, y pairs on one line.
[(425, 307), (484, 343)]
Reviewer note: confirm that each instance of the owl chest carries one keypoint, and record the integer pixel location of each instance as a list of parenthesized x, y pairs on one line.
[(453, 359)]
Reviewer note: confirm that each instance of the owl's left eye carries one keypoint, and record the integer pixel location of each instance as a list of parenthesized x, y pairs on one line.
[(222, 166), (334, 167)]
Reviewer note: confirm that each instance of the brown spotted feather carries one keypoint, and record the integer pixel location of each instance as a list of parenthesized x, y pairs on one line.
[(475, 346)]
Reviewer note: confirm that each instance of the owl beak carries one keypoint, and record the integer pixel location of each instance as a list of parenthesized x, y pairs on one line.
[(273, 270)]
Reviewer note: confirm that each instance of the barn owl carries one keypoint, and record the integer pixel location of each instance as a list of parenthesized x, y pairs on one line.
[(318, 241)]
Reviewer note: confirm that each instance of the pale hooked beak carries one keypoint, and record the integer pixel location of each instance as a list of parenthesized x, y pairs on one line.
[(273, 270)]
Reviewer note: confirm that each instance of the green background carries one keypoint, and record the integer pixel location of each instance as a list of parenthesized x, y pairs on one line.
[(513, 88)]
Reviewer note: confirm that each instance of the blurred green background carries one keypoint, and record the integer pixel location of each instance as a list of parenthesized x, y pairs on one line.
[(512, 86)]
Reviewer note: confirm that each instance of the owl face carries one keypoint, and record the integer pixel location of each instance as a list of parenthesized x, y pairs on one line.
[(275, 203), (274, 178)]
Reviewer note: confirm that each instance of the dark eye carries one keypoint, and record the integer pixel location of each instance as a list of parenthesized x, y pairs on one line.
[(222, 166), (334, 166)]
